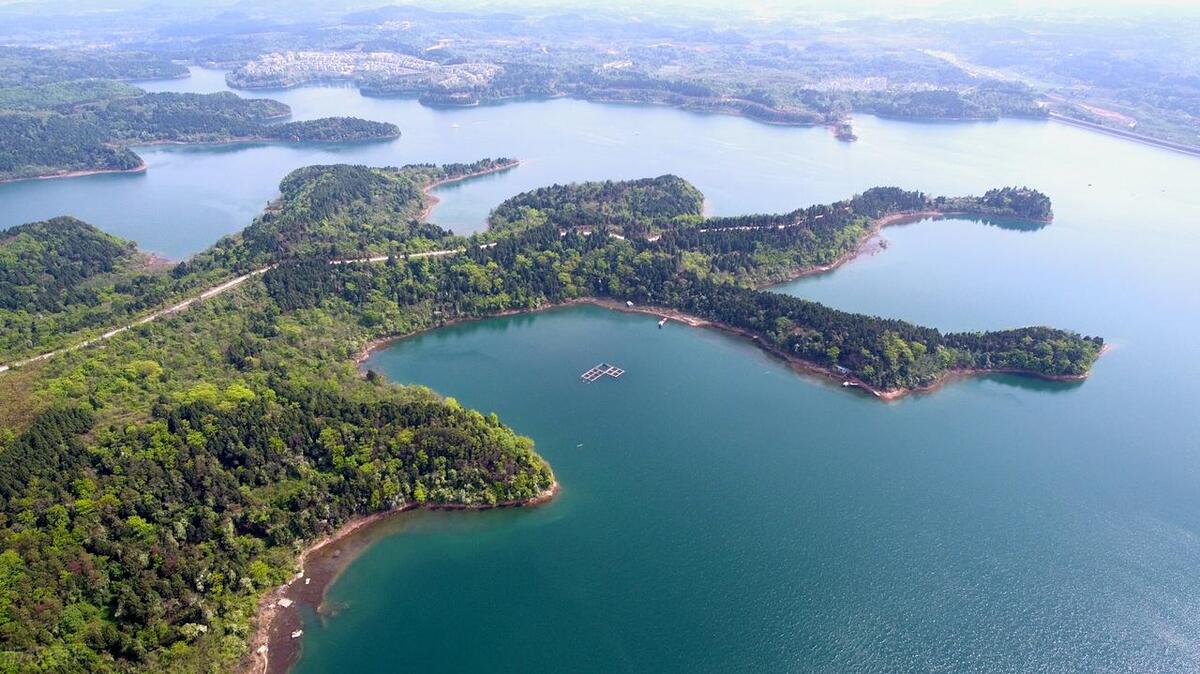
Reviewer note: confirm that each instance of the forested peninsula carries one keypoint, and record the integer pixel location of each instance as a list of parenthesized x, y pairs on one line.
[(62, 114), (153, 489)]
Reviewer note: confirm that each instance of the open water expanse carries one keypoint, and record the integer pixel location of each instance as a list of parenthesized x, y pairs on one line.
[(720, 512)]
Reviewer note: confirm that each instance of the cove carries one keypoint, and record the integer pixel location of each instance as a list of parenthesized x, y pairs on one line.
[(720, 512)]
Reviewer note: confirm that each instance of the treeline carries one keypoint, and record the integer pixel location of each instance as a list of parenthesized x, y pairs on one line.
[(547, 257), (62, 112), (779, 98), (182, 117), (62, 96), (63, 276), (539, 267), (341, 211), (707, 268), (989, 101), (1020, 202), (144, 547), (333, 129), (38, 144), (95, 136), (634, 207), (157, 486), (21, 66)]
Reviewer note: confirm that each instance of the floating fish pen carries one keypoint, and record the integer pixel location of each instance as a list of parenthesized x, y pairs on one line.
[(601, 370)]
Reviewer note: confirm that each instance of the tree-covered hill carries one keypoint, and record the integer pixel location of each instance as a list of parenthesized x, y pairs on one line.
[(333, 130), (635, 207), (151, 490), (21, 66), (95, 136), (63, 95), (46, 265), (61, 278), (343, 211), (65, 115), (170, 478), (40, 144)]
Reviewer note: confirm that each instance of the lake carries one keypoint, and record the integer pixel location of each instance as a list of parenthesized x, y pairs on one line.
[(720, 512)]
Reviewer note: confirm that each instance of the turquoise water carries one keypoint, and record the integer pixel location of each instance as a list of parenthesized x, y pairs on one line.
[(722, 513)]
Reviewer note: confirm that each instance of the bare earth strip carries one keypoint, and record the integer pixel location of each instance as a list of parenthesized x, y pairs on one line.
[(204, 295)]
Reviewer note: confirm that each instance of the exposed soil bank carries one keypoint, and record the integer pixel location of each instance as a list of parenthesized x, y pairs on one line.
[(140, 168), (431, 199), (273, 650), (798, 364)]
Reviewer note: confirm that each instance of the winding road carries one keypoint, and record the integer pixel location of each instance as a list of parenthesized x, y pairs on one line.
[(208, 294)]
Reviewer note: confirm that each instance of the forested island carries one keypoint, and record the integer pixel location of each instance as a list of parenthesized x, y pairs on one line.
[(62, 119), (153, 490)]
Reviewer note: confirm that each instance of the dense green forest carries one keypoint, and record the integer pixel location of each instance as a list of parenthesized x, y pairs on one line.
[(61, 277), (633, 207), (94, 136), (152, 489), (64, 112), (332, 130), (63, 95), (38, 144), (169, 478), (341, 211), (21, 66), (989, 101), (45, 265), (1021, 202), (541, 266)]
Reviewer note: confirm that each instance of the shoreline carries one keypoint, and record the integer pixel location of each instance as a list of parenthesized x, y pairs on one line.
[(140, 168), (143, 166), (832, 125), (1140, 138), (431, 200), (796, 363), (867, 242), (272, 648)]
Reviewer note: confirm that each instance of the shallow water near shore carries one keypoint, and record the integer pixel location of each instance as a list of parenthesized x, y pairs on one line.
[(720, 512)]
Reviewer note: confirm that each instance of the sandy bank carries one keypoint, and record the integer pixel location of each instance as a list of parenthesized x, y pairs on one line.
[(140, 168), (273, 650), (798, 364), (431, 199)]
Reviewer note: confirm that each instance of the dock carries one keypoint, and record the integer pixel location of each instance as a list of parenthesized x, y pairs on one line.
[(601, 370)]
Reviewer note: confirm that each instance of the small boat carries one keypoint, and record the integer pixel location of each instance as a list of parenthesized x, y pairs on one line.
[(297, 634), (662, 322)]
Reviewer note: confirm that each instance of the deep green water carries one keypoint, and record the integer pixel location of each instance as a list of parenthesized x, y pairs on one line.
[(721, 513)]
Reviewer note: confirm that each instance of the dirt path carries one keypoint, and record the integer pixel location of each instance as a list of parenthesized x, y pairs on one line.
[(210, 293)]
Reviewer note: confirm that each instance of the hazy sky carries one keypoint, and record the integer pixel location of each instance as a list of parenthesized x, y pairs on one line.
[(760, 8)]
